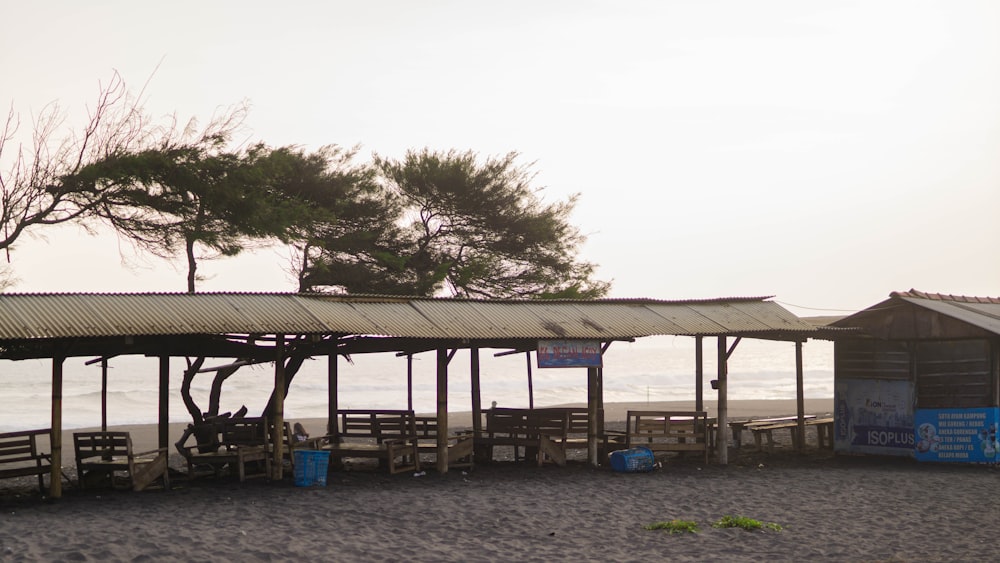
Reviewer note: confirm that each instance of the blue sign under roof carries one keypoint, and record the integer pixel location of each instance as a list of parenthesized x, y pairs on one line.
[(569, 354)]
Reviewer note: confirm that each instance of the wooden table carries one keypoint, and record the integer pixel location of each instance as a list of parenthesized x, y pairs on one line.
[(738, 426)]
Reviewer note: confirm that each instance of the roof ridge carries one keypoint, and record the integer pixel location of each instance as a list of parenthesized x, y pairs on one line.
[(916, 294)]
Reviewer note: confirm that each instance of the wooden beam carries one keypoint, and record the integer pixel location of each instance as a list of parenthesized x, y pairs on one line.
[(722, 440), (163, 434), (733, 347), (442, 410), (278, 420), (699, 374), (800, 397), (409, 381), (531, 383), (55, 475), (104, 394), (332, 426), (477, 395), (592, 400)]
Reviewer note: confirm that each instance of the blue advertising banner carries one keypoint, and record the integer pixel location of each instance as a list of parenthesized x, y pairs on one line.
[(962, 435), (569, 354), (874, 416)]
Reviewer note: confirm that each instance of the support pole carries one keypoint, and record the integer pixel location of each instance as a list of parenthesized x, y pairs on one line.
[(104, 394), (278, 421), (699, 374), (800, 397), (477, 397), (592, 402), (722, 442), (409, 382), (531, 385), (55, 475), (332, 428), (442, 410), (163, 437)]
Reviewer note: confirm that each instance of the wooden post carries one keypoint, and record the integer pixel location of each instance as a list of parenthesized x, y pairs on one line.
[(332, 426), (55, 444), (477, 397), (722, 442), (278, 420), (442, 410), (104, 394), (699, 375), (531, 385), (164, 422), (800, 397), (592, 393), (409, 381)]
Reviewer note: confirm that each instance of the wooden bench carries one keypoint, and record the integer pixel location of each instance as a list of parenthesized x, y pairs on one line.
[(461, 451), (738, 426), (20, 455), (99, 455), (824, 430), (240, 443), (541, 432), (664, 431), (385, 435)]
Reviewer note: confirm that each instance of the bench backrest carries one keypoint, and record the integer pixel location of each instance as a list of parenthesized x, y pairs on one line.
[(380, 425), (425, 427), (668, 430), (20, 446), (102, 444), (243, 432), (552, 422)]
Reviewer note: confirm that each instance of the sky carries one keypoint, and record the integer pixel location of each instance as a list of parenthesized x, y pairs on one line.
[(824, 153)]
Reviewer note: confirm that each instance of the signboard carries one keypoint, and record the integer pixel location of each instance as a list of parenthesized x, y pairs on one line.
[(963, 435), (874, 416), (569, 354)]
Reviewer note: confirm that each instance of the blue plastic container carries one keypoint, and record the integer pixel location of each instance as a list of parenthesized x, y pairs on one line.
[(311, 467), (633, 460)]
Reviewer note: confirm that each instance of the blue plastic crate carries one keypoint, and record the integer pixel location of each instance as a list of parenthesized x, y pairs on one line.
[(311, 467), (633, 460)]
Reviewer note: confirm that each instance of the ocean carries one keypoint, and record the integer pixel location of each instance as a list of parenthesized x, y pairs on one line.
[(649, 369)]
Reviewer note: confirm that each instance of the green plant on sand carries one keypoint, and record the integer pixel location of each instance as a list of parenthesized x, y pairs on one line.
[(674, 526), (745, 523)]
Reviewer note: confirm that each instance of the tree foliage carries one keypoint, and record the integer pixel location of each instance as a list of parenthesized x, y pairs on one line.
[(204, 201), (466, 228)]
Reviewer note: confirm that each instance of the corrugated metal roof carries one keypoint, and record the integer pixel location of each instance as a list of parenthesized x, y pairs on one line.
[(34, 316), (982, 312)]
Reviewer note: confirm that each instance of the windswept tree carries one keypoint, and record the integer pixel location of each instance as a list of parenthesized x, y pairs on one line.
[(39, 182), (351, 226), (468, 228), (200, 200)]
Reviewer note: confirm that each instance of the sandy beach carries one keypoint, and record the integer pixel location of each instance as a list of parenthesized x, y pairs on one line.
[(830, 508)]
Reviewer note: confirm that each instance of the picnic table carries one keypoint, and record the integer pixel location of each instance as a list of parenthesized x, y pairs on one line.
[(738, 426)]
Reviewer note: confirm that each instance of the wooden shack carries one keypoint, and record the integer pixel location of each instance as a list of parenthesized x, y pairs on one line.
[(919, 377)]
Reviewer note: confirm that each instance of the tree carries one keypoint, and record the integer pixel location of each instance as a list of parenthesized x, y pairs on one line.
[(352, 224), (39, 183), (469, 229), (201, 200)]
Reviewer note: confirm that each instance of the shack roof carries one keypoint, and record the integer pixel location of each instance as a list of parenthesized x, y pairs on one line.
[(917, 314), (81, 315)]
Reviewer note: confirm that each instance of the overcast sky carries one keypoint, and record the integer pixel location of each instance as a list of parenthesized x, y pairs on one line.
[(826, 153)]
